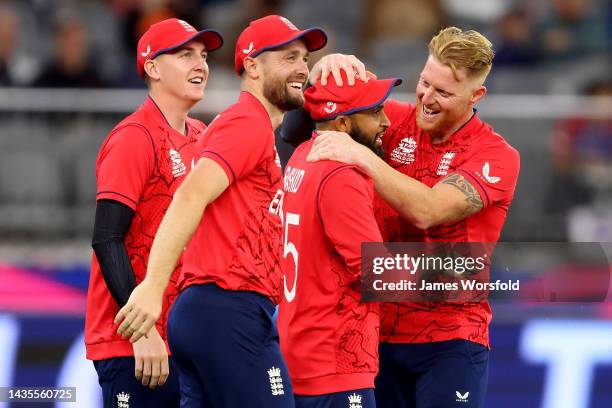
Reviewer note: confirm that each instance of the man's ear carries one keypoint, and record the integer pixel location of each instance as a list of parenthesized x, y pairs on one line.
[(343, 124), (251, 68), (478, 94), (152, 70)]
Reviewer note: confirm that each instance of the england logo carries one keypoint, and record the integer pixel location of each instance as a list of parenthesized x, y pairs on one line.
[(276, 381), (187, 26), (354, 401), (445, 163), (289, 24), (330, 107), (123, 400)]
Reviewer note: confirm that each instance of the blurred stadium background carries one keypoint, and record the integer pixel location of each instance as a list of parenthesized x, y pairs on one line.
[(67, 75)]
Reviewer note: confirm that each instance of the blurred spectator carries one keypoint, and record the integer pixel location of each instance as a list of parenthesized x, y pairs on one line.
[(136, 17), (573, 29), (8, 40), (515, 45), (70, 67), (582, 164), (397, 19)]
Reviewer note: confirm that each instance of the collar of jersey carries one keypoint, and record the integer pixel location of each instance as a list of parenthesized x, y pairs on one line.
[(152, 107), (461, 136)]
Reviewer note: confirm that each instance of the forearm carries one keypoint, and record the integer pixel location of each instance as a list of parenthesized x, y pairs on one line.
[(112, 222), (412, 199), (116, 268), (174, 233)]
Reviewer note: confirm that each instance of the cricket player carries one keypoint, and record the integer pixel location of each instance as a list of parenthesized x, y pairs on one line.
[(447, 177), (140, 165), (328, 337), (221, 330)]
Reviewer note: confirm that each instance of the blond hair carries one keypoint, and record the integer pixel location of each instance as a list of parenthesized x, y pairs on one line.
[(468, 50)]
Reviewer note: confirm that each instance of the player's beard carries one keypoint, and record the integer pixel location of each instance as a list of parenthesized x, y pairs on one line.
[(360, 137), (275, 91)]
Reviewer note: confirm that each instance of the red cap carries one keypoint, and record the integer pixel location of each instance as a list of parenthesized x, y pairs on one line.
[(272, 32), (170, 34), (330, 101)]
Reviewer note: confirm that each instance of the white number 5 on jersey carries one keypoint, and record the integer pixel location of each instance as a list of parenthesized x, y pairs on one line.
[(289, 248)]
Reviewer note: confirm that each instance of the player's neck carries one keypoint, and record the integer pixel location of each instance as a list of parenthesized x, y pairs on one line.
[(175, 111), (276, 115), (443, 136)]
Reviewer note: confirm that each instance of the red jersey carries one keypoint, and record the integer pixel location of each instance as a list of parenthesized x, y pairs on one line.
[(329, 339), (491, 165), (238, 241), (140, 164)]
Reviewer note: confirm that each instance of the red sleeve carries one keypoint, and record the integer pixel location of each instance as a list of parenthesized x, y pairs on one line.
[(346, 208), (493, 171), (237, 144), (125, 163)]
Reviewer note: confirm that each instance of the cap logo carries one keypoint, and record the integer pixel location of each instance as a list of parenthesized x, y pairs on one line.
[(187, 26), (248, 50), (147, 52), (289, 24), (330, 108)]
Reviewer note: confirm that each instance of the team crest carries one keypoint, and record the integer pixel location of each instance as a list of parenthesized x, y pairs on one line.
[(276, 381), (354, 401), (123, 400), (445, 163), (188, 27)]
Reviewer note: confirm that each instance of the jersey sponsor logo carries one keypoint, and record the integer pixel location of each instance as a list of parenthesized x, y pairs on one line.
[(330, 107), (462, 397), (248, 50), (188, 27), (276, 381), (445, 163), (293, 179), (123, 400), (404, 152), (178, 167), (485, 173), (354, 401), (289, 24), (147, 52)]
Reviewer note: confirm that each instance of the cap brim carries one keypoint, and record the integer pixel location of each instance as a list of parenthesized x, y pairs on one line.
[(314, 38), (211, 39), (379, 93)]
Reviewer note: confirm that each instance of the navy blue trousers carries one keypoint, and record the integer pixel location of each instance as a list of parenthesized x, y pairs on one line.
[(116, 377), (363, 398), (444, 374), (225, 345)]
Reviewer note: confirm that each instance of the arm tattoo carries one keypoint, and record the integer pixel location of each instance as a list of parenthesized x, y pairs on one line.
[(472, 197)]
